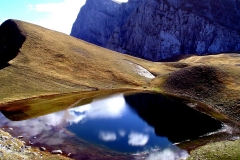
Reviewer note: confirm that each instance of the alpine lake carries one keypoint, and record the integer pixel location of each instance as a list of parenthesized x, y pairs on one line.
[(137, 126)]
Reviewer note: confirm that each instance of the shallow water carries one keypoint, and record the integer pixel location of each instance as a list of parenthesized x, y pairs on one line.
[(109, 128)]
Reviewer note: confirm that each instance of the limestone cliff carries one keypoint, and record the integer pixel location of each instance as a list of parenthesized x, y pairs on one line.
[(161, 29), (98, 19)]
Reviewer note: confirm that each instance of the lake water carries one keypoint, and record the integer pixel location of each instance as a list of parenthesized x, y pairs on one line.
[(135, 127)]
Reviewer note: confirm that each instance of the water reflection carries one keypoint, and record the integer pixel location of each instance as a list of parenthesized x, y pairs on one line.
[(108, 123), (172, 119), (112, 123)]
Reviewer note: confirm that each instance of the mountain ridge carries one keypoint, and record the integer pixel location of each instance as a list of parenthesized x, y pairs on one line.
[(161, 29)]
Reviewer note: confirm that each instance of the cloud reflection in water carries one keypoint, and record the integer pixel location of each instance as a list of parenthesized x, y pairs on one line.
[(132, 130), (107, 136), (168, 154), (137, 139)]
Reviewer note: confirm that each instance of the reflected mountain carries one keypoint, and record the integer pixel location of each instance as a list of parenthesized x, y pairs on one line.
[(106, 128), (172, 119)]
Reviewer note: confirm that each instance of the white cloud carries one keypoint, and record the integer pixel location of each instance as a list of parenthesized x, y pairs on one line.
[(122, 133), (168, 154), (57, 138), (120, 1), (60, 16), (109, 107), (81, 111), (107, 136), (137, 139)]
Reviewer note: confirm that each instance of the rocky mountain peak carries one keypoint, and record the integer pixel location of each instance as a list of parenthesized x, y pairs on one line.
[(161, 29)]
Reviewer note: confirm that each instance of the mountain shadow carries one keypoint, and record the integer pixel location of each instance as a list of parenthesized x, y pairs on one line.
[(172, 119)]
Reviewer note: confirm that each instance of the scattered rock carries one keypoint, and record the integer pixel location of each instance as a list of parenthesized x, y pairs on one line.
[(4, 138), (20, 137), (56, 152), (28, 147), (42, 148)]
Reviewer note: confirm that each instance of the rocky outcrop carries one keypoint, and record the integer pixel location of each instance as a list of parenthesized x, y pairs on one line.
[(97, 20), (10, 42), (161, 29)]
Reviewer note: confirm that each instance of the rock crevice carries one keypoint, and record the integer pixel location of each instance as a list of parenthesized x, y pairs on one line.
[(161, 29)]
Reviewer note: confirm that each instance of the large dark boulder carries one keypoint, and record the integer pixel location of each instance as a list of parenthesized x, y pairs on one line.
[(11, 40)]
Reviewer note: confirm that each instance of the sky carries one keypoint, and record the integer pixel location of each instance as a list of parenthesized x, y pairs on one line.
[(58, 15)]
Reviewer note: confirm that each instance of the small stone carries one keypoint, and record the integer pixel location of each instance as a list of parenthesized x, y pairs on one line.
[(34, 137), (11, 129), (42, 148), (4, 137), (56, 152), (30, 143), (28, 147), (19, 137), (69, 154)]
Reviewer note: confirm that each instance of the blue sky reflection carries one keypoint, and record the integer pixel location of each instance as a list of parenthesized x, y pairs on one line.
[(108, 122)]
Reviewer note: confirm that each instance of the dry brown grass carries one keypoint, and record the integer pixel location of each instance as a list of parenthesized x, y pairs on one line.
[(211, 81), (53, 71), (51, 62)]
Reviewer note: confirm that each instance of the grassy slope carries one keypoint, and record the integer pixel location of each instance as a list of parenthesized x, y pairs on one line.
[(219, 150), (52, 65), (212, 81), (51, 62)]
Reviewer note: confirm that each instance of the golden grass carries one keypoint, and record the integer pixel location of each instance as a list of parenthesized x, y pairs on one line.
[(219, 150), (52, 63), (54, 71)]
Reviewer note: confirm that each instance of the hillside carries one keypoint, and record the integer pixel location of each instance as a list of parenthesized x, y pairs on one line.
[(53, 65), (52, 71)]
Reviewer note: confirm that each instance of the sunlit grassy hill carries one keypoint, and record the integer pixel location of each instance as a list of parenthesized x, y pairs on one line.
[(49, 71), (50, 63)]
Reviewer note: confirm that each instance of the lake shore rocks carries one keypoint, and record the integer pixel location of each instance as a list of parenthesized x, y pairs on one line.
[(12, 148)]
